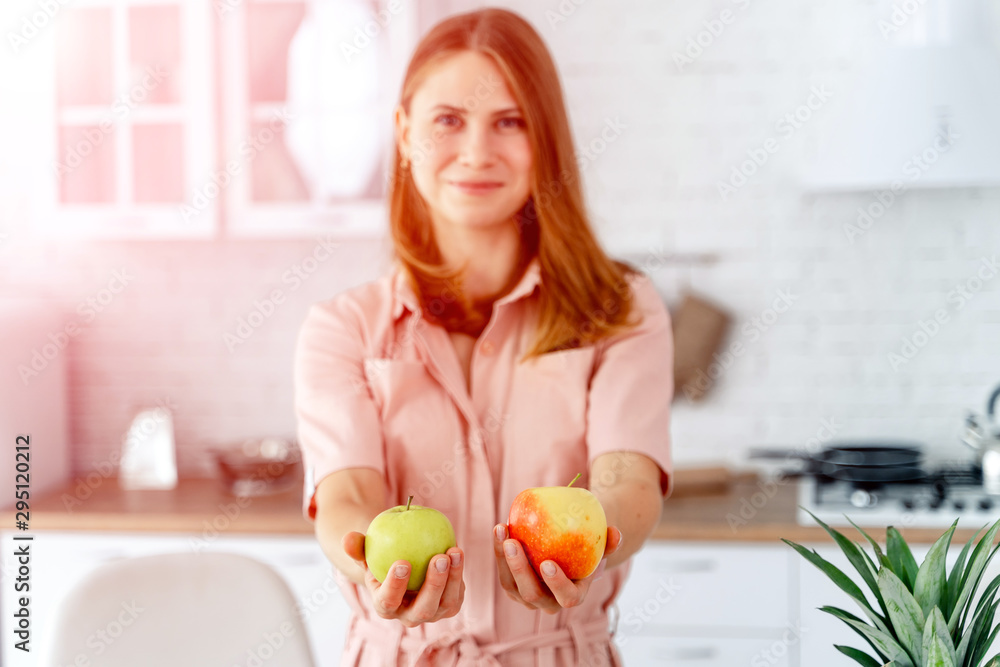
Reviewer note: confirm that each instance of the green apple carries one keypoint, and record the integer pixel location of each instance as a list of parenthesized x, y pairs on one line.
[(562, 524), (407, 532)]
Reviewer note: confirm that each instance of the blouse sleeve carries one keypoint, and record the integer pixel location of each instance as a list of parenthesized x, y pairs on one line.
[(338, 423), (632, 387)]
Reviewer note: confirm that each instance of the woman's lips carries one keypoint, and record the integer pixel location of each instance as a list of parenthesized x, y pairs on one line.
[(476, 187)]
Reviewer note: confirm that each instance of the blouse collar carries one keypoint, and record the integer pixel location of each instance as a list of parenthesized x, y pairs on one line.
[(405, 298)]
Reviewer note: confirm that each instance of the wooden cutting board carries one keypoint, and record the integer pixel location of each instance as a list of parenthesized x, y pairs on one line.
[(699, 329), (707, 481)]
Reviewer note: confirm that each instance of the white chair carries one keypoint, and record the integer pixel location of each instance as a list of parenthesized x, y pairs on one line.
[(181, 610)]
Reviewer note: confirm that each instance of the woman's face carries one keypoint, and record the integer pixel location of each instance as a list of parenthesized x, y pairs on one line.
[(467, 144)]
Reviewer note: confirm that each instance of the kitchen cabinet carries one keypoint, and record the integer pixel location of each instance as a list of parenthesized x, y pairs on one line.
[(120, 133), (59, 560), (308, 97), (699, 593), (710, 604), (195, 118)]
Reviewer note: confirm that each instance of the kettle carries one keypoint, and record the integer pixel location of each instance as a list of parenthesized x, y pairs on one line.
[(983, 435), (149, 458)]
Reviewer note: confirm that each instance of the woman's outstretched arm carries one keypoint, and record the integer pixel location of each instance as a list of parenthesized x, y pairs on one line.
[(347, 501), (628, 486)]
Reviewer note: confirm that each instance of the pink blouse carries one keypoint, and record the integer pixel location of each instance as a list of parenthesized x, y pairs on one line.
[(378, 386)]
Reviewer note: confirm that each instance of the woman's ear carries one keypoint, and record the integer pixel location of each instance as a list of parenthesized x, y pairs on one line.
[(402, 123)]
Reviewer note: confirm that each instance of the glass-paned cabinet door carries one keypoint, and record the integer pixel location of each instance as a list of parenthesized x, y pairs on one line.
[(309, 91), (131, 107)]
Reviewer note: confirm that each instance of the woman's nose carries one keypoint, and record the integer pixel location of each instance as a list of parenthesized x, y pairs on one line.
[(477, 149)]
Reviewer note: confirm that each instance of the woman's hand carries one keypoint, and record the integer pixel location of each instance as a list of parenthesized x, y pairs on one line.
[(554, 590), (440, 596)]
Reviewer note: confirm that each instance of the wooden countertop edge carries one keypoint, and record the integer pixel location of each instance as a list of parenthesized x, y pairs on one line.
[(796, 533), (199, 508), (199, 526), (202, 528)]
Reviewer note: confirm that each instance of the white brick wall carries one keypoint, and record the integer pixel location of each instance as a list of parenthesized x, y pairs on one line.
[(653, 190)]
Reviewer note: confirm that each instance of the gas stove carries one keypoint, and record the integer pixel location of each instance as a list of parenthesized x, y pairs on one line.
[(945, 493)]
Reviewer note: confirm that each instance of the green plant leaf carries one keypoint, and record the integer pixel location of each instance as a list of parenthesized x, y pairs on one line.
[(937, 645), (961, 649), (879, 556), (904, 612), (931, 583), (845, 617), (937, 654), (843, 582), (955, 578), (989, 590), (970, 579), (973, 638), (903, 562), (887, 647), (982, 621), (857, 557), (859, 656), (983, 647), (871, 564)]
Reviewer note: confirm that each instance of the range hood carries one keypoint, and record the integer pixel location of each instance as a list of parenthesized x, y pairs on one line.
[(924, 110)]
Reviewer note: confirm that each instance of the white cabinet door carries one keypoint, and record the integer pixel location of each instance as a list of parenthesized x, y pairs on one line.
[(706, 652), (710, 604), (708, 585), (60, 560), (115, 135)]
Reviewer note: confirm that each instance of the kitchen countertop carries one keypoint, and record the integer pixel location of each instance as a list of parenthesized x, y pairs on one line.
[(196, 505)]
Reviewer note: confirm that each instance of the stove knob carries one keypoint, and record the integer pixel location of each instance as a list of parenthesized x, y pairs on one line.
[(959, 505), (985, 504), (908, 504), (936, 503), (861, 498)]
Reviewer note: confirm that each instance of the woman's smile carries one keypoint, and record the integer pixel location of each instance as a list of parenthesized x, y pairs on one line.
[(476, 188)]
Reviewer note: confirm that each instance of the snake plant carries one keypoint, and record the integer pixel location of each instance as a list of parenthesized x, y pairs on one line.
[(925, 617)]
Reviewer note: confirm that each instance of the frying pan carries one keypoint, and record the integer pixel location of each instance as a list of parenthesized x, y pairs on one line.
[(862, 463)]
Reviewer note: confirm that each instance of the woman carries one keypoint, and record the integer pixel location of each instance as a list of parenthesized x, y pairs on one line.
[(504, 351)]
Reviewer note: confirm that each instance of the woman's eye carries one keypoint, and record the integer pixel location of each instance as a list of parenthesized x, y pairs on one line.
[(448, 120), (510, 123)]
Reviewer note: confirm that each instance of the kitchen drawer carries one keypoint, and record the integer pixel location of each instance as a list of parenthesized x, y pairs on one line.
[(708, 652), (707, 585)]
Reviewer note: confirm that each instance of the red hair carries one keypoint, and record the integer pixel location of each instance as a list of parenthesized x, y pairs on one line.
[(584, 295)]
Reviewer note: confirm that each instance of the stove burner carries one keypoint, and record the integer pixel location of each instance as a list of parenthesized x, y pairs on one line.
[(931, 497)]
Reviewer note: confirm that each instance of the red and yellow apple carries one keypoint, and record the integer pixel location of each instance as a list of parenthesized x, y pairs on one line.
[(563, 524)]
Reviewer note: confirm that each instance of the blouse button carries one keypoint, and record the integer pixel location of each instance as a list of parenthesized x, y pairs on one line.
[(487, 347)]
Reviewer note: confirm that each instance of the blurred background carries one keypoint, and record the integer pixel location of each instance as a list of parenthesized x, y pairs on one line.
[(204, 149), (181, 179)]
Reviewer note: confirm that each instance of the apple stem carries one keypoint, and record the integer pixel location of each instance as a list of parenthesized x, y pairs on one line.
[(574, 479), (408, 501)]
